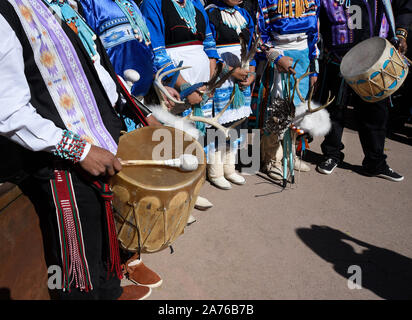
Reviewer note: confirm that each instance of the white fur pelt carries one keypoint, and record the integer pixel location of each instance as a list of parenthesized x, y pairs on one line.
[(318, 124), (177, 122)]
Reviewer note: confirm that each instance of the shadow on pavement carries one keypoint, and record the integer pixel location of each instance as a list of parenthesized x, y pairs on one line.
[(5, 294), (384, 272)]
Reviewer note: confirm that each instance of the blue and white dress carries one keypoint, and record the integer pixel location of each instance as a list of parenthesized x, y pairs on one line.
[(226, 24), (127, 42), (291, 34), (175, 40)]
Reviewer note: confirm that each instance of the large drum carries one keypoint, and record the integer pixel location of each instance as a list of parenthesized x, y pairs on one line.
[(153, 203), (374, 69)]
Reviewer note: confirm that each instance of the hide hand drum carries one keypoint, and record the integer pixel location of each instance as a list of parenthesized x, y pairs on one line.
[(152, 203), (374, 69)]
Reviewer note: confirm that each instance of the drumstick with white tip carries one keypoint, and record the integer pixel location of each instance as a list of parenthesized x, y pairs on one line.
[(186, 162)]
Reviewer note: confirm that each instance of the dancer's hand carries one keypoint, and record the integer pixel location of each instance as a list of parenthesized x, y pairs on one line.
[(194, 98), (173, 92), (403, 46), (313, 81), (285, 65), (240, 74), (248, 81), (100, 162), (202, 91), (152, 121)]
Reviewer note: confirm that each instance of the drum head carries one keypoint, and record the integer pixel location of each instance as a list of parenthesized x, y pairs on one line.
[(158, 143), (362, 57)]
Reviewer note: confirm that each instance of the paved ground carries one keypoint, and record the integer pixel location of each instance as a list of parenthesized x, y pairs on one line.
[(259, 242)]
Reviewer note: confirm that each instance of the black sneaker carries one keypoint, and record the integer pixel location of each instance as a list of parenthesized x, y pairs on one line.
[(327, 166), (388, 174)]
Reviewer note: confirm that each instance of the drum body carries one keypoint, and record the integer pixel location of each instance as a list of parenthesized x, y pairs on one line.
[(374, 69), (152, 204)]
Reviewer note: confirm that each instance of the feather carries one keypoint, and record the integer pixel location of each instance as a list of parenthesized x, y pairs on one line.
[(253, 49), (215, 77), (221, 81), (243, 46)]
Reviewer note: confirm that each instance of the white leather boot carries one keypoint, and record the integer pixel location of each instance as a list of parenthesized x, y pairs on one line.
[(275, 167), (215, 171), (191, 220), (229, 168), (272, 155), (203, 203)]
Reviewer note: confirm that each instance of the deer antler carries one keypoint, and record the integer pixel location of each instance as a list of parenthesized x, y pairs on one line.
[(296, 89), (212, 121), (296, 86), (328, 102), (310, 110), (215, 120), (159, 87)]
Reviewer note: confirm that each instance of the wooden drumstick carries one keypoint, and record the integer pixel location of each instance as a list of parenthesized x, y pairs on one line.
[(186, 162)]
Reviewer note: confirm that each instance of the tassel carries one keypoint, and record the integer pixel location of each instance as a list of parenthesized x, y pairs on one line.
[(197, 112), (303, 145), (239, 99), (75, 266), (114, 255), (300, 146)]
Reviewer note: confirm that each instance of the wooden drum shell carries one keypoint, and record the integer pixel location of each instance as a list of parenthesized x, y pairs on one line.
[(155, 199), (374, 69)]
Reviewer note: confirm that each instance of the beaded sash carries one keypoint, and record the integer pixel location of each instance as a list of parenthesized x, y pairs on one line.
[(63, 74)]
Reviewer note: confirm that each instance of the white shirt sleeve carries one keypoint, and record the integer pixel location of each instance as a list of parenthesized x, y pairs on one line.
[(19, 120), (107, 81)]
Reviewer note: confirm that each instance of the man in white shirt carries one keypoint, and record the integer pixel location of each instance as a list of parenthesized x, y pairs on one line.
[(59, 128)]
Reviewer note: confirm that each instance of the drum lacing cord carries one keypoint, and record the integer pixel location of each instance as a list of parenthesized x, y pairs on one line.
[(125, 221), (188, 201), (133, 206)]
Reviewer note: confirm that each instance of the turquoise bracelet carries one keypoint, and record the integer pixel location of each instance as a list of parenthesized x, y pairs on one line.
[(70, 147)]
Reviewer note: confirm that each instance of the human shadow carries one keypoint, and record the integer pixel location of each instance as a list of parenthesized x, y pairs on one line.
[(386, 273), (5, 294), (400, 134)]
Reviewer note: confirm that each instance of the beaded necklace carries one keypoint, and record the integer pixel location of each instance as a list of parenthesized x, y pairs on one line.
[(136, 20), (233, 19), (187, 13), (76, 23)]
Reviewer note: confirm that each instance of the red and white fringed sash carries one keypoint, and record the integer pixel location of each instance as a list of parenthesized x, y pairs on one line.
[(75, 267), (107, 194)]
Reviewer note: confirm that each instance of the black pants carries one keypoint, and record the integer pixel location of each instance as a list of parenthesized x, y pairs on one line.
[(371, 120), (94, 228)]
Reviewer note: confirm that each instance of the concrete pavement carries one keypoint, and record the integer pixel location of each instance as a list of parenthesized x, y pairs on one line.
[(262, 242)]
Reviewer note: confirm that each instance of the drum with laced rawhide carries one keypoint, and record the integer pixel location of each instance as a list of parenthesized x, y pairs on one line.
[(374, 69), (152, 204)]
